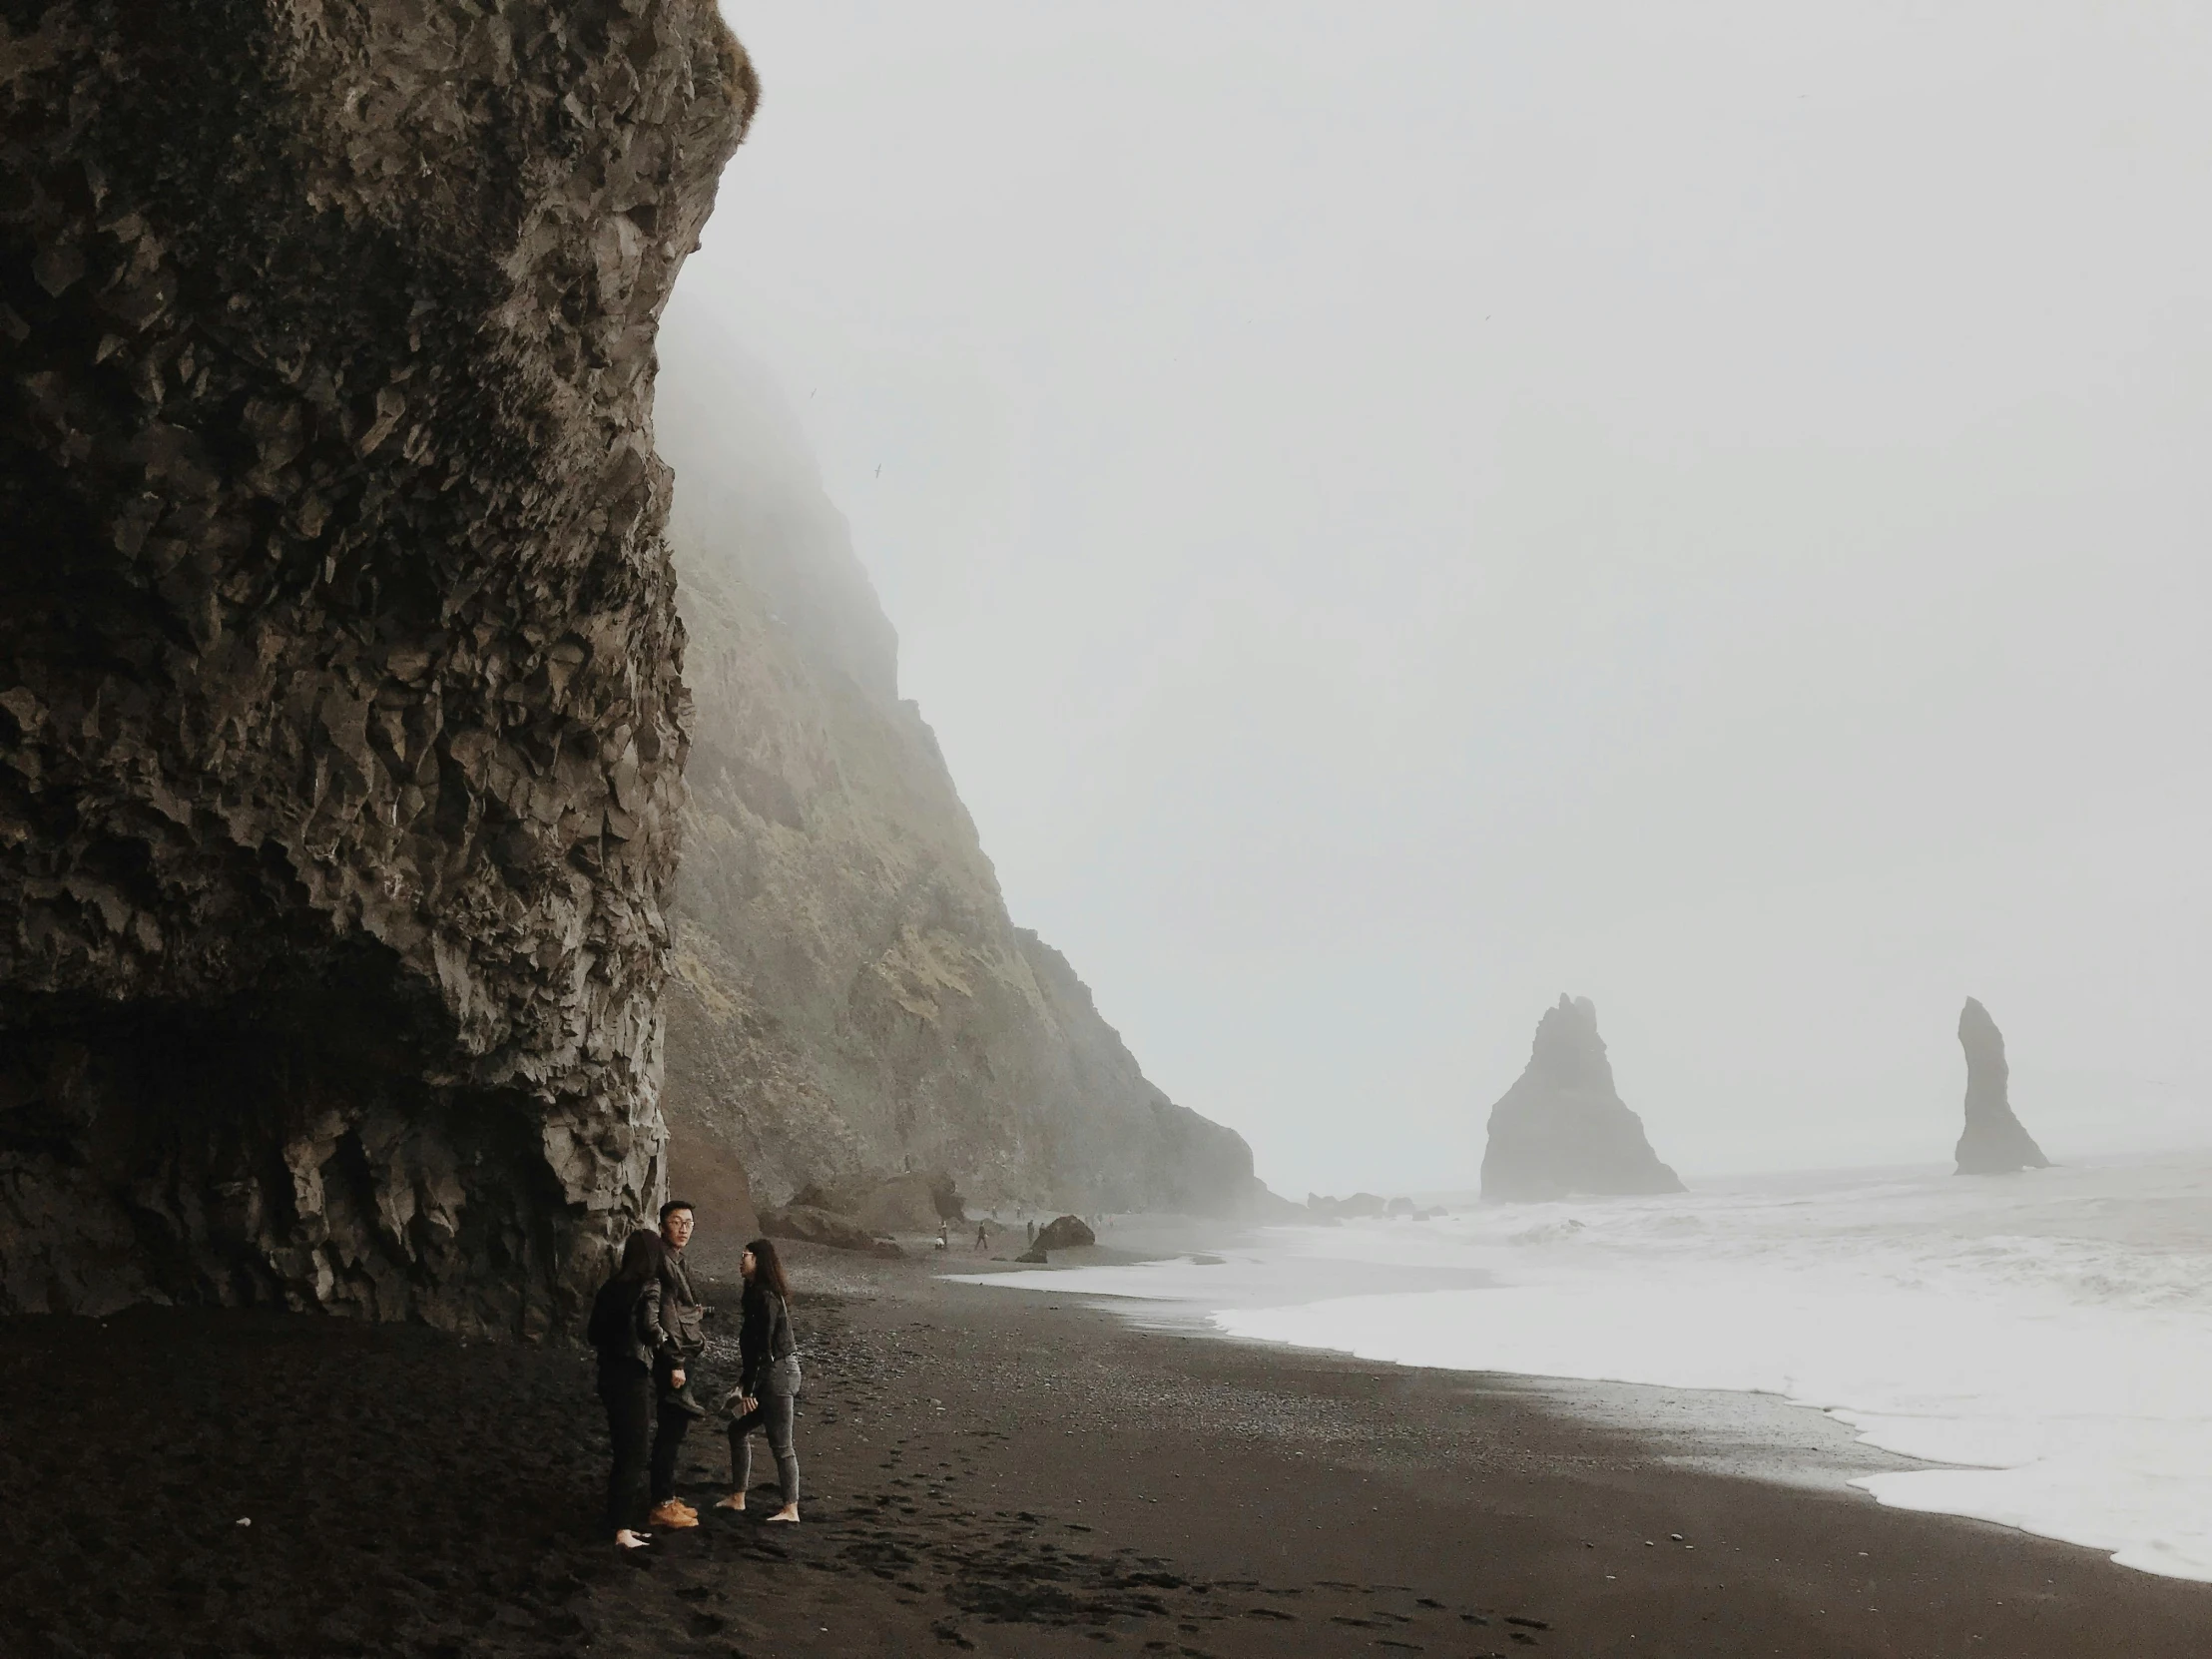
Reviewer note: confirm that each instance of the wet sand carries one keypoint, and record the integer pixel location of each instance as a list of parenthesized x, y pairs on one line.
[(985, 1472)]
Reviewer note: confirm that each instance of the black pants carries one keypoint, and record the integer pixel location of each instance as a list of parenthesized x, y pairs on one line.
[(668, 1441), (626, 1389)]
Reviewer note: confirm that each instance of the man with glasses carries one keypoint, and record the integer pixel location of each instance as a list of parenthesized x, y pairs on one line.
[(683, 1318)]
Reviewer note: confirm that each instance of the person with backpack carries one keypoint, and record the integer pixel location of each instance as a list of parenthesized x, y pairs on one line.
[(625, 1328), (767, 1394)]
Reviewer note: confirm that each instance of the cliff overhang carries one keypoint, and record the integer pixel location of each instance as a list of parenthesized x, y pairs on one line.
[(341, 720)]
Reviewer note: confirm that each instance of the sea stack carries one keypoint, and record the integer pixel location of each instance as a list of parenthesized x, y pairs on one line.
[(1562, 1128), (1994, 1142)]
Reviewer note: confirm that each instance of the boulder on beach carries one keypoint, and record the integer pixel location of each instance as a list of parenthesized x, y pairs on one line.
[(1994, 1142), (1562, 1128), (1064, 1233), (811, 1225)]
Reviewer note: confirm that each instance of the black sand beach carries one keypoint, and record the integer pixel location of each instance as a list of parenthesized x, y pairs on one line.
[(985, 1472)]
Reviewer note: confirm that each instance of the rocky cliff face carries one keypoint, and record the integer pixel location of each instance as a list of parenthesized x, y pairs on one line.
[(340, 720), (1561, 1128), (852, 998), (1994, 1142)]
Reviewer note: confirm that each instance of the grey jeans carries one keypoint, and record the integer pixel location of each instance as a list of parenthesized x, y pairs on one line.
[(771, 1412)]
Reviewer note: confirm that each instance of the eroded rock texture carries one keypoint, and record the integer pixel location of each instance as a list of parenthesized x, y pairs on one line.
[(852, 999), (1562, 1127), (1994, 1142), (340, 720)]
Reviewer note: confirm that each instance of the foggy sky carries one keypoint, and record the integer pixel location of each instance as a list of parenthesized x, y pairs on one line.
[(1398, 512)]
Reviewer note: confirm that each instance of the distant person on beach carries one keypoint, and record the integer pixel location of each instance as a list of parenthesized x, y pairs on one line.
[(982, 1236), (626, 1329), (1032, 1232), (944, 1235), (683, 1339), (767, 1381)]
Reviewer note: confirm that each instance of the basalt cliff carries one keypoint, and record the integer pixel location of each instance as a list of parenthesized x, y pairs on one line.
[(852, 998), (1562, 1128), (343, 712), (341, 724), (1993, 1141)]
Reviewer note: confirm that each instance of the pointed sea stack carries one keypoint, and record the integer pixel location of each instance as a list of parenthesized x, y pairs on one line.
[(1994, 1142), (1562, 1128)]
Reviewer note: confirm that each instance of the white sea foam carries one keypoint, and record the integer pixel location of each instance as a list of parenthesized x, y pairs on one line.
[(2051, 1333)]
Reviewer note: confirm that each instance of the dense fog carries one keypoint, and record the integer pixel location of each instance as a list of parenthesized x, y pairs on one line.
[(1404, 512)]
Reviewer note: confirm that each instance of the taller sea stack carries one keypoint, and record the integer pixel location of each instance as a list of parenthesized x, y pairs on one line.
[(341, 725), (1994, 1142), (1562, 1127)]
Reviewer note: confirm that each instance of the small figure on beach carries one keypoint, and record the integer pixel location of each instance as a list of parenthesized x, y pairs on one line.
[(982, 1236), (682, 1316), (626, 1330), (767, 1381), (944, 1235)]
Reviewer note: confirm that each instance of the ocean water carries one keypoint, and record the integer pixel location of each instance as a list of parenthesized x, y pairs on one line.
[(2046, 1337)]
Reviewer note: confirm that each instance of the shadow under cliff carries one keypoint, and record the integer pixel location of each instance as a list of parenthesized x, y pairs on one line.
[(278, 1150)]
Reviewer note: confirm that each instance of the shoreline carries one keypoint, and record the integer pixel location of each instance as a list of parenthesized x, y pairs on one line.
[(984, 1473), (2023, 1356), (1754, 1433)]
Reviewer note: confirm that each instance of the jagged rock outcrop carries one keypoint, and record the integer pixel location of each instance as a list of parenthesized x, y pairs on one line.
[(1061, 1233), (852, 998), (1561, 1128), (340, 720), (1994, 1142), (1064, 1233)]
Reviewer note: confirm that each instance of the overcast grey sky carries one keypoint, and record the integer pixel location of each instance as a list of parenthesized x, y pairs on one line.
[(1398, 511)]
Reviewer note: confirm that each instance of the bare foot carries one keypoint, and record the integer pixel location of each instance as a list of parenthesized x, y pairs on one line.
[(790, 1512), (736, 1500), (627, 1539)]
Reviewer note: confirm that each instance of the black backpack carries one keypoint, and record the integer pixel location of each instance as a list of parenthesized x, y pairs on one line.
[(611, 1314)]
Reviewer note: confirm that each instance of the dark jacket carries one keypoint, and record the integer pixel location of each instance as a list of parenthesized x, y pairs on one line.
[(764, 1340), (626, 1323), (680, 1312)]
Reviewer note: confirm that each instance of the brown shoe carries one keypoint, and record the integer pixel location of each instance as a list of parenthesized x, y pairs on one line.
[(673, 1514)]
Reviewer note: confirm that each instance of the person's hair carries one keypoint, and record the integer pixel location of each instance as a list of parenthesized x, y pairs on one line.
[(674, 1205), (641, 1255), (768, 1267)]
